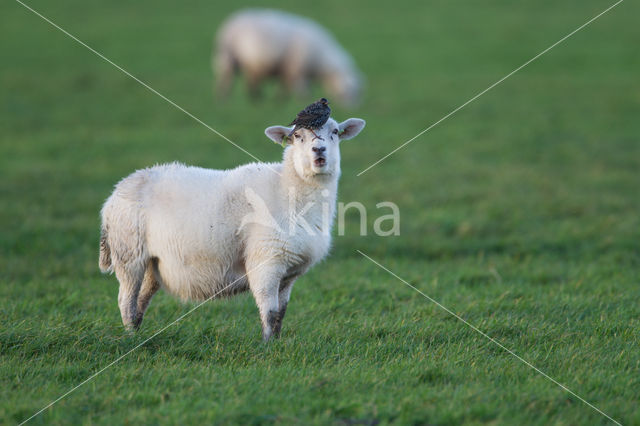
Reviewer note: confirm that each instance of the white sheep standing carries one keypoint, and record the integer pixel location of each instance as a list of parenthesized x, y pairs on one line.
[(263, 43), (202, 233)]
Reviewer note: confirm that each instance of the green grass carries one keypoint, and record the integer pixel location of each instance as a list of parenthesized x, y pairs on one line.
[(520, 213)]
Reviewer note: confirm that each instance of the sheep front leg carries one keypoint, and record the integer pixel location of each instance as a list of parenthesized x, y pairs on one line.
[(223, 66), (283, 300), (254, 81), (264, 282)]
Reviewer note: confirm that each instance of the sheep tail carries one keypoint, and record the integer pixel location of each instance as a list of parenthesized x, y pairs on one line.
[(105, 253)]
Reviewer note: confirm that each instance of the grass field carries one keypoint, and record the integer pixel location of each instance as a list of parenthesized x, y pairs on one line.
[(520, 213)]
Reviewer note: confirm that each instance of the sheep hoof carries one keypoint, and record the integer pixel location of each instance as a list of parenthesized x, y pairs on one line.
[(273, 326), (134, 326)]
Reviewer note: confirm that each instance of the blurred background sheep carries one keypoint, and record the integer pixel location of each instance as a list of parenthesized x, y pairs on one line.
[(262, 43)]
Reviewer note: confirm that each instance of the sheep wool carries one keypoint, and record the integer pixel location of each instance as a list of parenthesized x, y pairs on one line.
[(201, 233)]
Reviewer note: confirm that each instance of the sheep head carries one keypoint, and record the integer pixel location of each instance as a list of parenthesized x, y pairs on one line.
[(316, 152)]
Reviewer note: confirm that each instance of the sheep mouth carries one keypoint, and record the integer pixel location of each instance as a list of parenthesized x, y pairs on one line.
[(320, 162)]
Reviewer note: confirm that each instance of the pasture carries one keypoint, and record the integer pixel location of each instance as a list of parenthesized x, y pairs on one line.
[(520, 213)]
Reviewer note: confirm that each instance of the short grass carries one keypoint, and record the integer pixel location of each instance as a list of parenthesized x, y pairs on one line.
[(520, 213)]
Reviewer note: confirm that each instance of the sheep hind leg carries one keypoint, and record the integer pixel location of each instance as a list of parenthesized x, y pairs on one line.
[(150, 286), (130, 281)]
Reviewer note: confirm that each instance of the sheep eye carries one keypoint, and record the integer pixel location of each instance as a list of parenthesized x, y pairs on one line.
[(297, 135), (335, 131)]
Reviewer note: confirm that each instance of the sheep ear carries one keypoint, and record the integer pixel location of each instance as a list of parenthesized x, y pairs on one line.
[(278, 134), (350, 128)]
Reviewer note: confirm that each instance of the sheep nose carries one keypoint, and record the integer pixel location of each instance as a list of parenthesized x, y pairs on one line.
[(319, 150)]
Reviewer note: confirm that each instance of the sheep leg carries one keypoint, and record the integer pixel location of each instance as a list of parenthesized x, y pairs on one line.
[(149, 287), (283, 90), (294, 76), (264, 282), (295, 84), (269, 315), (130, 281), (254, 81), (224, 67), (283, 300)]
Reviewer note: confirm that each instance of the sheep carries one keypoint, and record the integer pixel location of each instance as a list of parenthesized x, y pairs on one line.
[(202, 233), (265, 43)]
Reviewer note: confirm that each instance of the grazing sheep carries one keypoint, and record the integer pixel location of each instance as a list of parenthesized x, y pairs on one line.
[(267, 43), (202, 233)]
